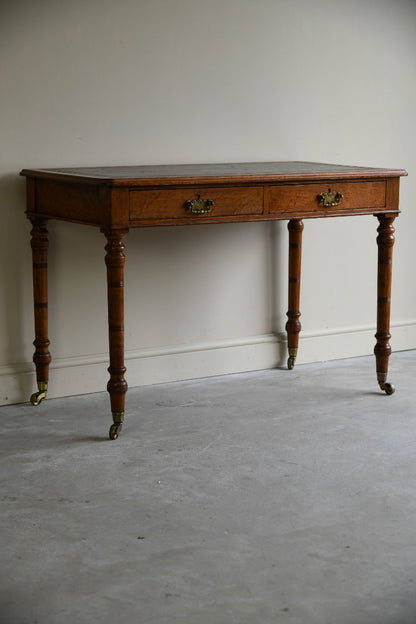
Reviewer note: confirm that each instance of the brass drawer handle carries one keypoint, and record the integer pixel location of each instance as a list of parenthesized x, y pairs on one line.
[(199, 206), (331, 198)]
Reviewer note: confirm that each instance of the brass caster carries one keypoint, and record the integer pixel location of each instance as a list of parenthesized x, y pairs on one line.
[(387, 387), (37, 397), (114, 431), (118, 419), (293, 351)]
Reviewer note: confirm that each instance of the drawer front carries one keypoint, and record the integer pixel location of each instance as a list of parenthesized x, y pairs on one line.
[(172, 204), (357, 197)]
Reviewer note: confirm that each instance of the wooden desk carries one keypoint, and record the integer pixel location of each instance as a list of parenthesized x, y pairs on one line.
[(116, 199)]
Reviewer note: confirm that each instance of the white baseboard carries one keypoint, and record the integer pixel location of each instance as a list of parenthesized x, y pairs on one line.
[(71, 376)]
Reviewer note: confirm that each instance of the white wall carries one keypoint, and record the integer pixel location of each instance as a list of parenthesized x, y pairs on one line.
[(101, 82)]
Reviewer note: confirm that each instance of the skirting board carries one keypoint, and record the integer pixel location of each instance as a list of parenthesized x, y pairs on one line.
[(74, 376)]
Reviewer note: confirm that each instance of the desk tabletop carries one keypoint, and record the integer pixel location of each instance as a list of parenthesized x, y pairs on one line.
[(255, 172)]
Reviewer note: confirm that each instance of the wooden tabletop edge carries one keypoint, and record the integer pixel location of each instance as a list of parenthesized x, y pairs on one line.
[(196, 178)]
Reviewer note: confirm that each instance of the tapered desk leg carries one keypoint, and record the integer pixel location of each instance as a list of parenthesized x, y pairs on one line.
[(41, 357), (117, 385), (293, 326), (382, 350)]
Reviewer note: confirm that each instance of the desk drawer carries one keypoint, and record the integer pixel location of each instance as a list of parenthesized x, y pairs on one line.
[(163, 204), (357, 197)]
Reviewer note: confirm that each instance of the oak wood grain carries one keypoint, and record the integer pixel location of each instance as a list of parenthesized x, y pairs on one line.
[(171, 204), (357, 196)]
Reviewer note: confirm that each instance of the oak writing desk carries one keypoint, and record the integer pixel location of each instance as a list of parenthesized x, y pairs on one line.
[(116, 199)]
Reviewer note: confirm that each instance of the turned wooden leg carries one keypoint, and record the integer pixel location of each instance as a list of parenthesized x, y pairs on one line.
[(293, 325), (382, 350), (41, 357), (117, 385)]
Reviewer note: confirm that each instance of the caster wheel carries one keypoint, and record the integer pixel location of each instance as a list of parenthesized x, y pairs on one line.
[(388, 388), (37, 398), (291, 362), (114, 432)]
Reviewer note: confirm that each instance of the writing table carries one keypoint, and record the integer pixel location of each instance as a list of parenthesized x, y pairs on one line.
[(116, 199)]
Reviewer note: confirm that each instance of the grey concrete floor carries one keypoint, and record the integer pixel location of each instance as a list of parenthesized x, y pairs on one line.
[(269, 497)]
